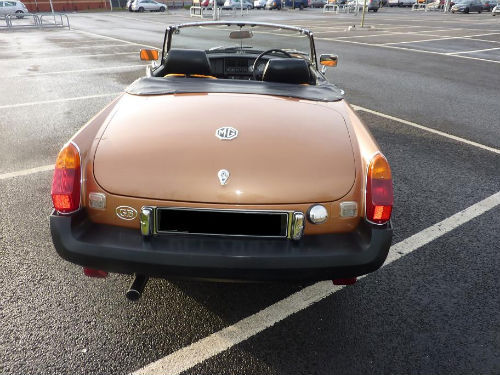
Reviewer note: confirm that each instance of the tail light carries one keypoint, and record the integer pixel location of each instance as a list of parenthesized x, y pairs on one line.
[(379, 193), (66, 182)]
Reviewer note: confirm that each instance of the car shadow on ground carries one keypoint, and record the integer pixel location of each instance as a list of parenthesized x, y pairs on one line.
[(232, 301)]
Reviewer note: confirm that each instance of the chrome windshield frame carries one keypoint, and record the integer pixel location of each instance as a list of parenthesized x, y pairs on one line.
[(167, 40)]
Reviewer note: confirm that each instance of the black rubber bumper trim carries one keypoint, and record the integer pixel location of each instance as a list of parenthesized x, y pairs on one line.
[(123, 250)]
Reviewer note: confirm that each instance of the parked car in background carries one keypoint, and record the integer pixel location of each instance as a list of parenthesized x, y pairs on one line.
[(273, 4), (210, 3), (495, 10), (317, 3), (488, 5), (467, 6), (278, 4), (150, 5), (450, 4), (259, 4), (370, 4), (237, 4), (13, 7), (406, 3)]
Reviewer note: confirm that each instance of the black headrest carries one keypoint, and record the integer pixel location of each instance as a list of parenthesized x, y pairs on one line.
[(292, 70), (187, 61)]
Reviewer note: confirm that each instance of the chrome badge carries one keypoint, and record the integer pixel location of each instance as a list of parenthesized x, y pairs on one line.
[(126, 212), (226, 133), (223, 176)]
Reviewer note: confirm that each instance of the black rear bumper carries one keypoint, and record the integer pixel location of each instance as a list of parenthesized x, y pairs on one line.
[(123, 250)]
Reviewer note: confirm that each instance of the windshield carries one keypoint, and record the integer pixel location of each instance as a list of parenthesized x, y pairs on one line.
[(253, 38)]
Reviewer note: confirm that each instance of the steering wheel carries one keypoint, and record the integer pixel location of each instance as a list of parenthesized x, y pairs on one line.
[(255, 63)]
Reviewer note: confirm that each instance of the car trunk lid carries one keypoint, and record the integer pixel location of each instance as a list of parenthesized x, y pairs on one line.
[(165, 147)]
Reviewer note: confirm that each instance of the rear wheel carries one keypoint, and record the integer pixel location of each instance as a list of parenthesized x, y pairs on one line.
[(18, 14), (141, 9), (162, 9)]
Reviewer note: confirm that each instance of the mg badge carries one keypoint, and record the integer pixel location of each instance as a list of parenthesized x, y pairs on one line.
[(223, 176), (226, 133)]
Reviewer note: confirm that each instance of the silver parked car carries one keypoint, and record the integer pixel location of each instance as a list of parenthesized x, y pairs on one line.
[(236, 4), (317, 3), (151, 5), (259, 4), (12, 7)]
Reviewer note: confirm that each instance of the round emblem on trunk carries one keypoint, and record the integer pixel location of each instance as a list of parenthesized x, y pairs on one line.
[(226, 133)]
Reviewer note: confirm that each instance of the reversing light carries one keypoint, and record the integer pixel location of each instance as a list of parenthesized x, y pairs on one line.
[(379, 192), (317, 214), (66, 182)]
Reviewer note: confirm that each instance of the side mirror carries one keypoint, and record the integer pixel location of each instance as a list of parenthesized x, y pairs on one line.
[(149, 54), (328, 60)]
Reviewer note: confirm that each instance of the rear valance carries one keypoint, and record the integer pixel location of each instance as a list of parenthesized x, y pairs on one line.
[(181, 85)]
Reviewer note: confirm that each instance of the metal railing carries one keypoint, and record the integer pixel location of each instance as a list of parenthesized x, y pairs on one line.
[(21, 19), (48, 20), (341, 8), (58, 20), (418, 6), (202, 12)]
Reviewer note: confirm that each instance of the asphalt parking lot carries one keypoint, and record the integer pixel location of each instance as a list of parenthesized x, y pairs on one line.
[(426, 84)]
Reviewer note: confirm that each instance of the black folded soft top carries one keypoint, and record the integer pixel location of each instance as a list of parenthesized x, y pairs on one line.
[(324, 92)]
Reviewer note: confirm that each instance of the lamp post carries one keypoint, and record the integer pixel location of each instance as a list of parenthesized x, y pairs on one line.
[(362, 14)]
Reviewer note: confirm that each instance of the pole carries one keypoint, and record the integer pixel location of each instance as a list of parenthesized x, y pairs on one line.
[(111, 5), (363, 14), (52, 9), (214, 7), (241, 8)]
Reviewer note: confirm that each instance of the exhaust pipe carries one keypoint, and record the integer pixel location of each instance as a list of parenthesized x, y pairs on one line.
[(137, 287)]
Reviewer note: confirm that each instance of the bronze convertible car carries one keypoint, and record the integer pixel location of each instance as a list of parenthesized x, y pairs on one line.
[(233, 159)]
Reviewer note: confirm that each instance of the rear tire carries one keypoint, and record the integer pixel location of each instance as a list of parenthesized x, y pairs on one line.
[(162, 9), (140, 10), (19, 12)]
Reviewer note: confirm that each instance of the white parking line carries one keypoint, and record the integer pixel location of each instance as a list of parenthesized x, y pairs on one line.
[(218, 342), (474, 51), (36, 74), (26, 172), (116, 39), (445, 38), (427, 129), (65, 49), (17, 105), (78, 56), (408, 49), (483, 40)]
